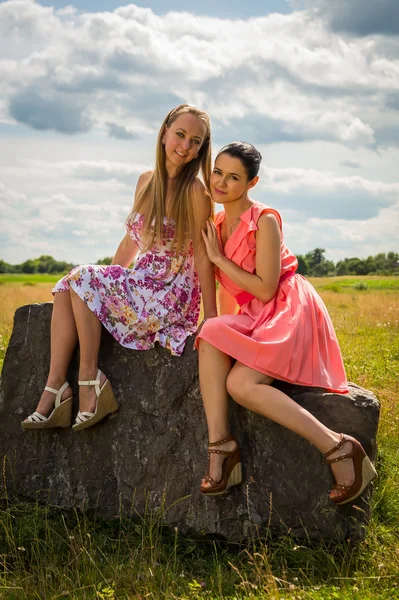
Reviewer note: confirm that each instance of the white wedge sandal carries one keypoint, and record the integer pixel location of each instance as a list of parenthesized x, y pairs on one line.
[(60, 416), (106, 404)]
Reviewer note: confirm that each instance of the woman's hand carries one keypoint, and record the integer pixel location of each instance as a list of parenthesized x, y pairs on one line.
[(212, 243)]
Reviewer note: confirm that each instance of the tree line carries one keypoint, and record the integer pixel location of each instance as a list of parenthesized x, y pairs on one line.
[(312, 264), (43, 264), (315, 264)]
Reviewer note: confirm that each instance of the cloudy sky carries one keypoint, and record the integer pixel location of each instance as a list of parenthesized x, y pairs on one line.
[(314, 84)]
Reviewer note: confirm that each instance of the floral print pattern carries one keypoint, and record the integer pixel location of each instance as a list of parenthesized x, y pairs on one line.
[(158, 300)]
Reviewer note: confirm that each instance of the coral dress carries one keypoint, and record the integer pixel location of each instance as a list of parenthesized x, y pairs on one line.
[(156, 301), (291, 337)]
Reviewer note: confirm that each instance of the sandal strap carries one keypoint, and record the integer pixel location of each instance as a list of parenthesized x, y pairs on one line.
[(95, 382), (36, 417), (58, 393), (341, 457), (209, 479), (343, 488), (337, 446), (229, 438), (50, 389), (224, 452), (342, 491), (81, 417)]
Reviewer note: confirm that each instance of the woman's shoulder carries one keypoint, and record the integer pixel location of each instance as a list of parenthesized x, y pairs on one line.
[(198, 188), (144, 178), (201, 200), (142, 181), (261, 213)]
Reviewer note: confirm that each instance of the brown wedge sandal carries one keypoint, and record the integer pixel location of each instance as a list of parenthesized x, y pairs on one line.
[(363, 467), (231, 469)]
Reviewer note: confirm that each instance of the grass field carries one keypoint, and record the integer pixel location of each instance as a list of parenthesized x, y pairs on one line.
[(28, 279), (50, 554)]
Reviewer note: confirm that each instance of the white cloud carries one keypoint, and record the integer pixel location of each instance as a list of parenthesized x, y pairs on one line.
[(287, 180), (73, 71), (345, 239), (318, 101), (86, 220), (64, 226)]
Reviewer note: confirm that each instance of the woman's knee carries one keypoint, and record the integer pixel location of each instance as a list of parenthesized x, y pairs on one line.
[(242, 384), (237, 387)]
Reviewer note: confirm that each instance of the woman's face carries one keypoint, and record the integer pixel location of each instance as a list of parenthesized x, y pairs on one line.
[(183, 139), (229, 180)]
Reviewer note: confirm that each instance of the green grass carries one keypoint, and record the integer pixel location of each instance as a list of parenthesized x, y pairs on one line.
[(49, 553), (52, 554), (337, 284), (30, 278)]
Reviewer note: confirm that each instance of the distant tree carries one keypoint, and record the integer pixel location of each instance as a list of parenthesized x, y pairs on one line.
[(5, 267), (312, 264), (393, 261), (383, 264), (370, 265), (318, 265), (59, 267), (315, 258), (341, 268), (380, 262), (355, 266), (28, 266), (44, 264), (303, 266), (323, 269), (105, 261), (358, 266)]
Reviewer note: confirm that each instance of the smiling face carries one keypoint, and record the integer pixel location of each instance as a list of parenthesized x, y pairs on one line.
[(229, 180), (183, 139)]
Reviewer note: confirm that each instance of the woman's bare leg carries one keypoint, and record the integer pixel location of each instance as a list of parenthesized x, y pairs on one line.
[(89, 334), (63, 341), (252, 389), (214, 367)]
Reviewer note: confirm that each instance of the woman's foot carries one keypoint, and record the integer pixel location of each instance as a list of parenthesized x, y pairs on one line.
[(58, 411), (96, 402), (216, 462), (351, 467), (87, 393), (224, 467), (47, 399), (343, 470)]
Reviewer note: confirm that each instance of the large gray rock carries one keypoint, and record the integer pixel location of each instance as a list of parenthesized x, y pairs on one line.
[(152, 453)]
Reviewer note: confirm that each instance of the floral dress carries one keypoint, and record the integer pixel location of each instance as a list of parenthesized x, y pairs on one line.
[(158, 300)]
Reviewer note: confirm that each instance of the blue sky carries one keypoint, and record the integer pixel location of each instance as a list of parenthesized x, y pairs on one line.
[(313, 84), (227, 9)]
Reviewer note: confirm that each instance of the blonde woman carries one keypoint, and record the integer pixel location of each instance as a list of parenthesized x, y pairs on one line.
[(158, 300)]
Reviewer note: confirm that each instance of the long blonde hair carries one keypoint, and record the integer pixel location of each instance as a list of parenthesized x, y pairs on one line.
[(152, 199)]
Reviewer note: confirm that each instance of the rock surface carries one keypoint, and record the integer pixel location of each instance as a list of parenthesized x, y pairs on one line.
[(152, 453)]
